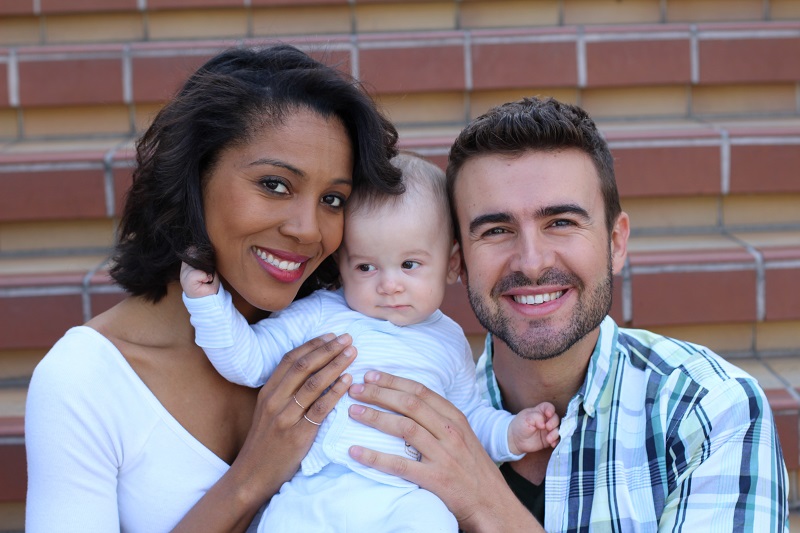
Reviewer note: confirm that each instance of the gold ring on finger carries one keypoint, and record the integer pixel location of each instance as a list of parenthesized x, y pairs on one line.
[(315, 423), (298, 403)]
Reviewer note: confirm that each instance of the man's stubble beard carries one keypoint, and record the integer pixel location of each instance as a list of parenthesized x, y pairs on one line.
[(540, 341)]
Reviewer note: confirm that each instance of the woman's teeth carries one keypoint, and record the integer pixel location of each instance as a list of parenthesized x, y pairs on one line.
[(538, 298), (283, 265)]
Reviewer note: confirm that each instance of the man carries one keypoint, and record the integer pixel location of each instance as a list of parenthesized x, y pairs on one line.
[(656, 435)]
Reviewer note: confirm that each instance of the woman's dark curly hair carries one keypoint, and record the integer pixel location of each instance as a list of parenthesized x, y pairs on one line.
[(223, 104)]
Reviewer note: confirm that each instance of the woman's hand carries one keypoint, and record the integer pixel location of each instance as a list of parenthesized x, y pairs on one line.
[(454, 465), (289, 408)]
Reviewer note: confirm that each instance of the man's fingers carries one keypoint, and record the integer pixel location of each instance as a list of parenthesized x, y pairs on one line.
[(387, 463)]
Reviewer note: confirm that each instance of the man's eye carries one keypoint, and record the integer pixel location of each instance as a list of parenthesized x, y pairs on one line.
[(366, 268), (562, 223), (410, 265), (495, 231)]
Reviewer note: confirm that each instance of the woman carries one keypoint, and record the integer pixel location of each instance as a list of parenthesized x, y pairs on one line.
[(245, 172)]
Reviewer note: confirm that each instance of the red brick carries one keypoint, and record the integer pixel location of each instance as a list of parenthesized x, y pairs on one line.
[(626, 63), (257, 3), (762, 168), (338, 59), (693, 298), (782, 290), (54, 194), (86, 6), (157, 79), (500, 66), (192, 4), (738, 255), (4, 96), (456, 306), (785, 411), (749, 60), (123, 177), (70, 82), (37, 321), (418, 69), (13, 472), (16, 7), (105, 301), (667, 171)]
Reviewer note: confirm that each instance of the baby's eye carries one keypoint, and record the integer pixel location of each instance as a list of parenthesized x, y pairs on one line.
[(410, 265), (366, 268), (333, 200)]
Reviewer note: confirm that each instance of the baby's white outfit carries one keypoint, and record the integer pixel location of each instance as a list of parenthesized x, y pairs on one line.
[(433, 352)]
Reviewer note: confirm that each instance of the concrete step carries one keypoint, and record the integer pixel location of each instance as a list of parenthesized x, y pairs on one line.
[(433, 78)]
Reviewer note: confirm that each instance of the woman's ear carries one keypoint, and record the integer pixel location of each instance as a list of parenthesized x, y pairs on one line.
[(454, 263)]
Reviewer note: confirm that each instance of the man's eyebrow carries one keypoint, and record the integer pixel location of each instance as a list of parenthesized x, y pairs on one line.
[(277, 163), (489, 218), (562, 209)]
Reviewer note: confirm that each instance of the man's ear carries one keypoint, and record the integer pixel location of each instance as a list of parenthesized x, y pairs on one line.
[(454, 263), (619, 241)]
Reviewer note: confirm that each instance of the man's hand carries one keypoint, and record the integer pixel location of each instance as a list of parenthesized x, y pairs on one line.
[(454, 465)]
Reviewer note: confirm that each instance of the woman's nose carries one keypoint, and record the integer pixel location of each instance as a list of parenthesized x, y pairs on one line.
[(303, 225)]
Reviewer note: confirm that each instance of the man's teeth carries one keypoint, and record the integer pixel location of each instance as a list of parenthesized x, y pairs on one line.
[(538, 298), (283, 265)]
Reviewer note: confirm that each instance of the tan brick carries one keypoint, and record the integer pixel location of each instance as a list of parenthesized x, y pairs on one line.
[(714, 10), (197, 24), (405, 16), (307, 20), (515, 13), (631, 102), (94, 28), (12, 515), (761, 371), (784, 10), (19, 363), (777, 336), (426, 108), (611, 11), (761, 209), (144, 115), (671, 212), (8, 123), (22, 236), (719, 337), (482, 101), (744, 99), (19, 30), (76, 121)]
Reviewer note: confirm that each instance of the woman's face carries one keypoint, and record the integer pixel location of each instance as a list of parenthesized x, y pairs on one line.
[(274, 208)]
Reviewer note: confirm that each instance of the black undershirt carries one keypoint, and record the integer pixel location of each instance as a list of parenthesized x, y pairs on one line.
[(531, 496)]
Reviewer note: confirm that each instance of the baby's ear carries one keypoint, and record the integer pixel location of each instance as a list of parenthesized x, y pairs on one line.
[(454, 263)]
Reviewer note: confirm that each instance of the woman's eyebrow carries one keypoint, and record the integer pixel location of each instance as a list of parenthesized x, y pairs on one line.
[(278, 163)]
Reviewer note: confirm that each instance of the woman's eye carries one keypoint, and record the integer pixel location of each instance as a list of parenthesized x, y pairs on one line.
[(410, 265), (333, 200), (275, 185), (366, 268)]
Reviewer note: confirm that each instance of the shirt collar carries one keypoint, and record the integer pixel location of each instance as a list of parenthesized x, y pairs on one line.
[(597, 373)]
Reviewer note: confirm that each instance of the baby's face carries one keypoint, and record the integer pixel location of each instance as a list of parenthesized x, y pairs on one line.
[(395, 263)]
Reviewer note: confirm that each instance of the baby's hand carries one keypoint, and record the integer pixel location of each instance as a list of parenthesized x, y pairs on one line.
[(196, 283), (534, 429)]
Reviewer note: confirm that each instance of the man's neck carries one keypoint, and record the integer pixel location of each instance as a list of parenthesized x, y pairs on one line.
[(526, 383)]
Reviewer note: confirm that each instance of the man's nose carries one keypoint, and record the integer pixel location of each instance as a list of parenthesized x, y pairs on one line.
[(533, 254)]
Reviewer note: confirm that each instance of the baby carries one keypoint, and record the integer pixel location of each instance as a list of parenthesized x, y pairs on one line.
[(397, 256)]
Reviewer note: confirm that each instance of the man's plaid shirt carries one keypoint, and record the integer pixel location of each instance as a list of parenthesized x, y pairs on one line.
[(664, 435)]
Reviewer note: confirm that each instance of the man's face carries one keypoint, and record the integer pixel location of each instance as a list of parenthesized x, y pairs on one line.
[(538, 258)]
